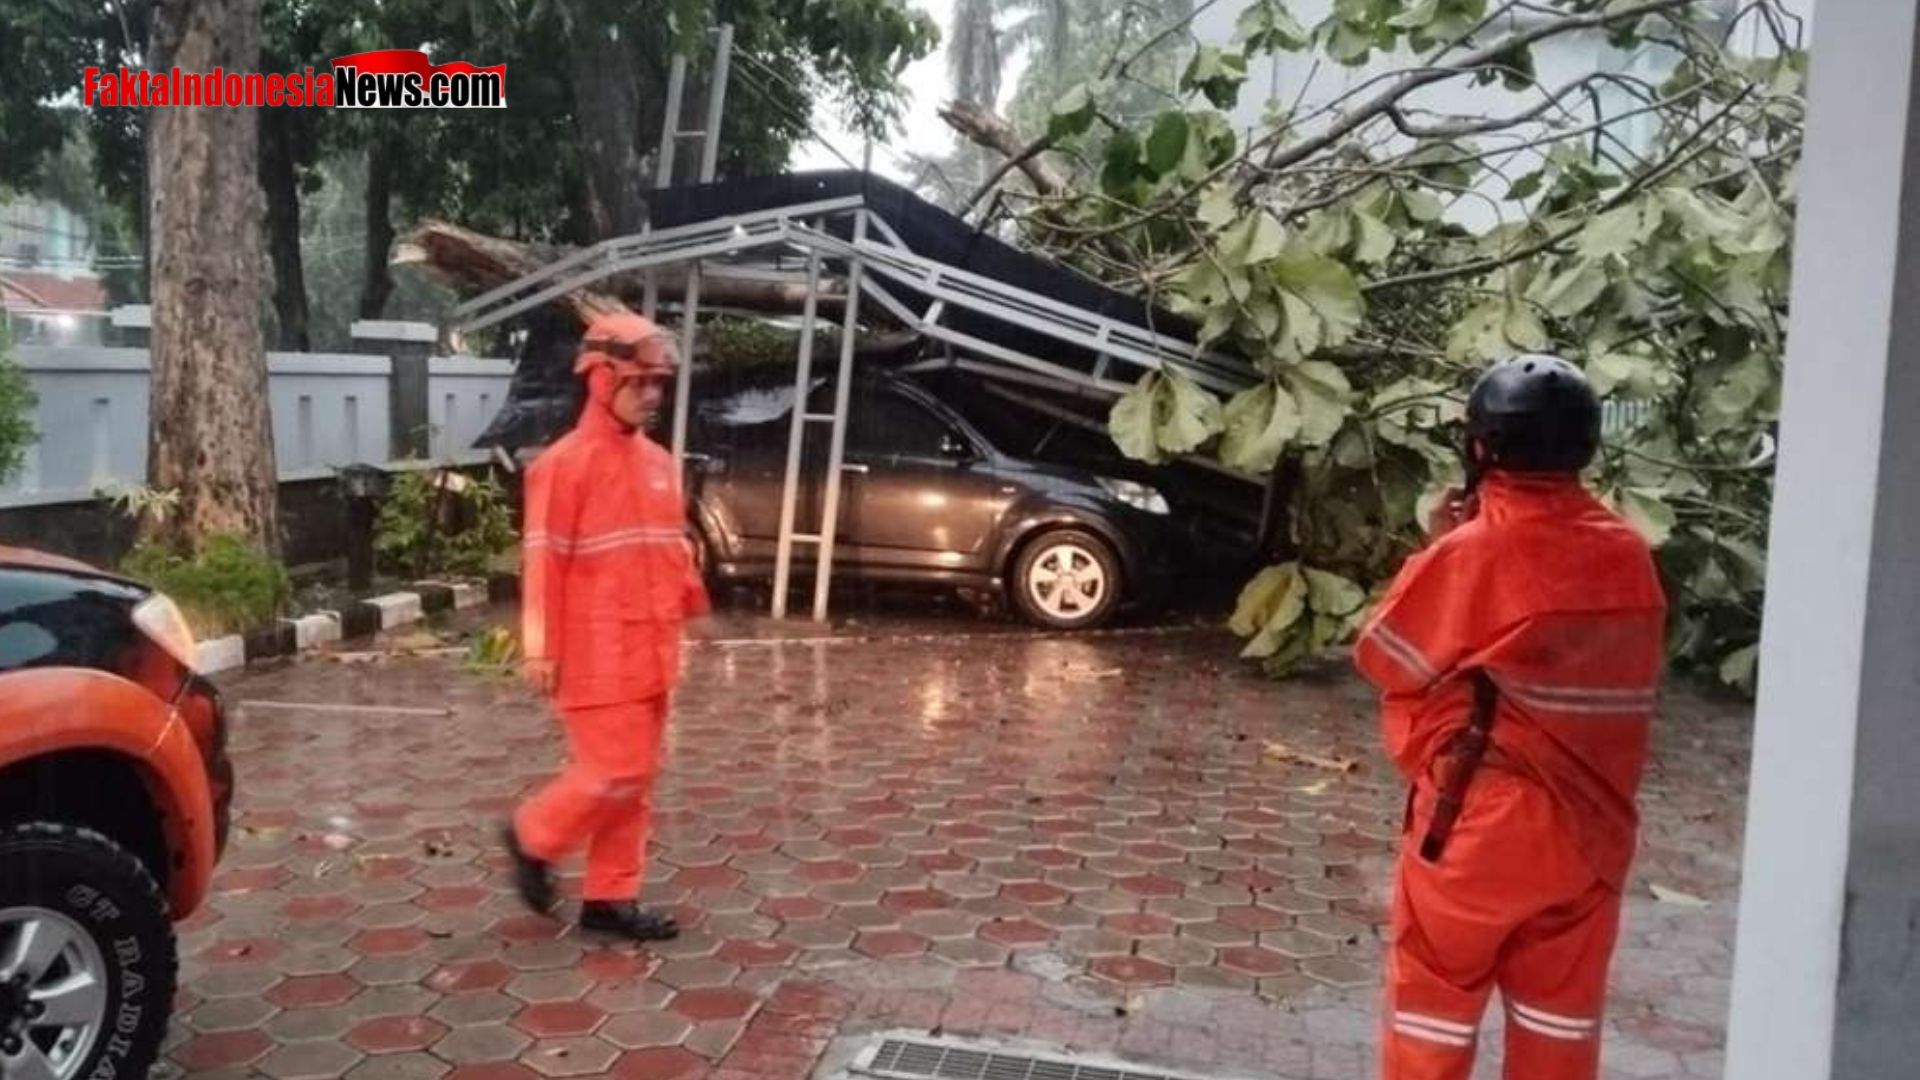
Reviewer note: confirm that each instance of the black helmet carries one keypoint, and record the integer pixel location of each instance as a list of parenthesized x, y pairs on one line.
[(1534, 413)]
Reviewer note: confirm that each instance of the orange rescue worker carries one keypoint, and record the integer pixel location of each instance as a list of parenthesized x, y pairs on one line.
[(608, 578), (1518, 657)]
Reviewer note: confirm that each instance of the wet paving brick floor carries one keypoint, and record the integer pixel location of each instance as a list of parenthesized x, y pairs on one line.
[(1073, 843)]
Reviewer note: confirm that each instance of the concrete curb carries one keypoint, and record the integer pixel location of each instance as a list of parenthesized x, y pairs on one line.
[(362, 618)]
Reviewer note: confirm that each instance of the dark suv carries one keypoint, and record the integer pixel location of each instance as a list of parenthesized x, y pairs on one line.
[(926, 499), (114, 794)]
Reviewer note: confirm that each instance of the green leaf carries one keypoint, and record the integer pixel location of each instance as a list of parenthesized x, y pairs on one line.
[(1620, 231), (1219, 320), (1493, 331), (1610, 371), (1416, 16), (1267, 26), (1331, 594), (1260, 422), (1191, 415), (1421, 205), (1167, 145), (1131, 423), (1073, 113), (1575, 290), (1122, 164), (1217, 73), (1261, 598), (1374, 242), (1329, 289), (1256, 238), (1216, 206), (1741, 667), (1527, 186), (1288, 609), (1647, 513), (1322, 392)]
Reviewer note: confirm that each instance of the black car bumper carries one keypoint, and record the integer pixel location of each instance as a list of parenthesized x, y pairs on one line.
[(207, 714)]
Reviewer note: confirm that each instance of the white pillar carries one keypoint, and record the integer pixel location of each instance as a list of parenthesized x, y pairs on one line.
[(1827, 969)]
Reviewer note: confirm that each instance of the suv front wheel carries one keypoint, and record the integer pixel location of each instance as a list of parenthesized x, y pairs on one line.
[(1067, 579), (87, 956)]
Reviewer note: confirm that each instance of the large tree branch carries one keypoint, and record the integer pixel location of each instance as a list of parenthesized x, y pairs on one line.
[(470, 262), (1282, 155), (982, 127)]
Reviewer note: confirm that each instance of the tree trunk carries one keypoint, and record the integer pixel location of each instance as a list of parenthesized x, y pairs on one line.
[(281, 183), (210, 436), (377, 286), (469, 262), (984, 127), (606, 97)]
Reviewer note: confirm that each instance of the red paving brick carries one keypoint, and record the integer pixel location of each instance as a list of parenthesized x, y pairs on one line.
[(1102, 862)]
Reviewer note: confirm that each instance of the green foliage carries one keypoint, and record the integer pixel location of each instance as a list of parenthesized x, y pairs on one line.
[(1369, 258), (440, 522), (494, 652), (227, 587), (16, 410)]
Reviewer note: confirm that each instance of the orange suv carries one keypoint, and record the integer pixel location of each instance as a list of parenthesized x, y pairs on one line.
[(114, 794)]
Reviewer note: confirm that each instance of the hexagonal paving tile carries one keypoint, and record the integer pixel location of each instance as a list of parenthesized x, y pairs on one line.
[(321, 1060), (555, 1019), (544, 955), (391, 970), (470, 977), (301, 1025), (1176, 952), (1132, 971), (397, 941), (395, 1034), (481, 1043), (701, 1006), (1338, 972), (629, 996), (1297, 943), (1254, 919), (794, 908), (1139, 925), (639, 1030), (696, 974), (822, 934), (484, 1007), (224, 1050), (312, 991), (1035, 893), (1016, 933), (890, 944), (565, 984), (660, 1063), (231, 1014), (1256, 962), (757, 953), (400, 1067), (1218, 934)]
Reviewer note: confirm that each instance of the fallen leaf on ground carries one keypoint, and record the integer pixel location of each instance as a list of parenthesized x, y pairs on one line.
[(1676, 897), (1281, 752)]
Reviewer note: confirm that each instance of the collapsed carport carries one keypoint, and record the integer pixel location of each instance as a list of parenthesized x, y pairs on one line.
[(911, 288)]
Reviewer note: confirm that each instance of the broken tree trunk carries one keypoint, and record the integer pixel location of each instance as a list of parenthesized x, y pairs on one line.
[(983, 127), (471, 262)]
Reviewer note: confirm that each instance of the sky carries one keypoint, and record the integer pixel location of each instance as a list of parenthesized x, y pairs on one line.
[(925, 132)]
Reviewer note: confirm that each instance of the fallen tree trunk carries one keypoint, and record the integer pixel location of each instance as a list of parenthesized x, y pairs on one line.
[(983, 127), (470, 262)]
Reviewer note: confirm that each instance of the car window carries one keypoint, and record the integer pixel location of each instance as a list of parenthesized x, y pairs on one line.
[(51, 619), (881, 422)]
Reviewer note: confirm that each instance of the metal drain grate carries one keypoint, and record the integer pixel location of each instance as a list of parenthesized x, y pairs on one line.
[(910, 1060)]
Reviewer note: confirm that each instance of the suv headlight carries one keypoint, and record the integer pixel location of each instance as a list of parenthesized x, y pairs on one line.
[(1137, 495), (159, 618)]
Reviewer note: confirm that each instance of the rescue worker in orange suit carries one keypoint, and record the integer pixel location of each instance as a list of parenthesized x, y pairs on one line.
[(1518, 657), (608, 579)]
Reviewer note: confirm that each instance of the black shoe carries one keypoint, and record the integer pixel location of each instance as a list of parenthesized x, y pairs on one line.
[(629, 920), (533, 877)]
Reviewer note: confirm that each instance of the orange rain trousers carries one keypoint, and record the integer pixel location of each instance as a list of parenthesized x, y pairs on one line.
[(1509, 905), (603, 799)]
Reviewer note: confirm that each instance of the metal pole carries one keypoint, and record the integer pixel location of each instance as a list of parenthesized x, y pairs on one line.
[(796, 441), (663, 168), (690, 308), (716, 103), (843, 388)]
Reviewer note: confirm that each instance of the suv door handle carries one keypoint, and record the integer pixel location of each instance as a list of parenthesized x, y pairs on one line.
[(855, 467)]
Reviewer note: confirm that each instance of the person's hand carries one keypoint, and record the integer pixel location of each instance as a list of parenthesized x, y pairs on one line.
[(543, 676), (1454, 509)]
